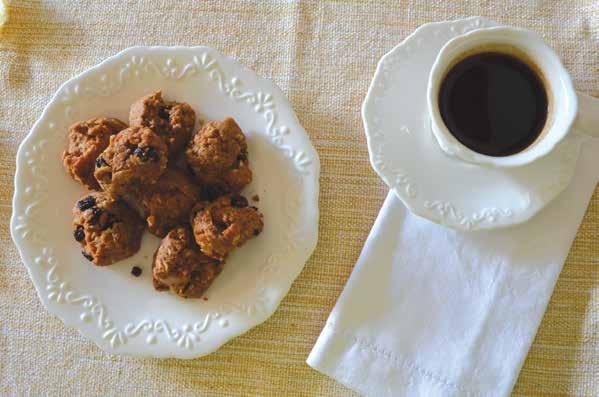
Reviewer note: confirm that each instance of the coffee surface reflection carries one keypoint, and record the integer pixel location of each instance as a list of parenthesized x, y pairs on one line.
[(493, 103)]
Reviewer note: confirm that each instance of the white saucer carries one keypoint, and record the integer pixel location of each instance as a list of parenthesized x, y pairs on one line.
[(124, 314), (431, 184)]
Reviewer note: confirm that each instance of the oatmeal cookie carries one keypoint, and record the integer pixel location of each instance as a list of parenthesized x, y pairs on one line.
[(173, 121), (87, 139), (180, 266), (218, 156), (224, 224), (135, 158), (107, 229), (166, 203)]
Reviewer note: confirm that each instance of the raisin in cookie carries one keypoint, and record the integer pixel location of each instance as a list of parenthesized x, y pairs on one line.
[(218, 156), (224, 224), (107, 229), (166, 203), (180, 266), (87, 139), (173, 121), (135, 158)]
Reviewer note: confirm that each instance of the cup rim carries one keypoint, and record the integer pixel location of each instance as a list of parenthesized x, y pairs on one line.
[(449, 143)]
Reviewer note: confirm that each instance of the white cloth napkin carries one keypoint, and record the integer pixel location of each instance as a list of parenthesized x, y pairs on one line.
[(429, 311)]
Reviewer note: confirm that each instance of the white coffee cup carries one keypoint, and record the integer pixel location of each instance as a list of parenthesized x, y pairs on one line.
[(568, 111)]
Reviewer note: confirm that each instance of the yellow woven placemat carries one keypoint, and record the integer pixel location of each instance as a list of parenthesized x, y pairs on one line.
[(323, 55)]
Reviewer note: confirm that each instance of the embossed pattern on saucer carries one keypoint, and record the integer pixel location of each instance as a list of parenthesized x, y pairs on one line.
[(431, 184)]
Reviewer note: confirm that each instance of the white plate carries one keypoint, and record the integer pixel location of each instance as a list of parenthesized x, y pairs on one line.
[(403, 150), (124, 314)]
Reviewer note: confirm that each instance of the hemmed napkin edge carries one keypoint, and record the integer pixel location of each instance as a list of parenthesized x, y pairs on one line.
[(394, 375)]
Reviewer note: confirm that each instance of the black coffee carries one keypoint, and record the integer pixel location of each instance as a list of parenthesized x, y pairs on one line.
[(493, 103)]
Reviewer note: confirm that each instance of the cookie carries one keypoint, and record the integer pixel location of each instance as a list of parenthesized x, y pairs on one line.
[(106, 228), (224, 224), (166, 203), (135, 158), (180, 266), (87, 139), (172, 121), (218, 156)]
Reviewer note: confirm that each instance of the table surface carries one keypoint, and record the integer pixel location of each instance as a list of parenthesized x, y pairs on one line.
[(323, 55)]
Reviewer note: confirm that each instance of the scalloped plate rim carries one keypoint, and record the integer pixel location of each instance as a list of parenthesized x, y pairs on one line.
[(53, 309)]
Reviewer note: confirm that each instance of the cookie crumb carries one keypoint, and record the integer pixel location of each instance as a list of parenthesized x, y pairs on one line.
[(136, 271), (204, 298), (255, 198)]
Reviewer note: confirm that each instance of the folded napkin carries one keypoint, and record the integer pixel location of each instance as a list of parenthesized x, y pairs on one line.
[(430, 311)]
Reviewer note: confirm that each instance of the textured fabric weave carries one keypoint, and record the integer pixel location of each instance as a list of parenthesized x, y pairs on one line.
[(323, 55)]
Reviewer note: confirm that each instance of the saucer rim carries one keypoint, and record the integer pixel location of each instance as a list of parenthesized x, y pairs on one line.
[(368, 105)]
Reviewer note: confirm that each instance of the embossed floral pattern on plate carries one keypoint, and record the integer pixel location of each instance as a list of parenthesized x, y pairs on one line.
[(173, 327)]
